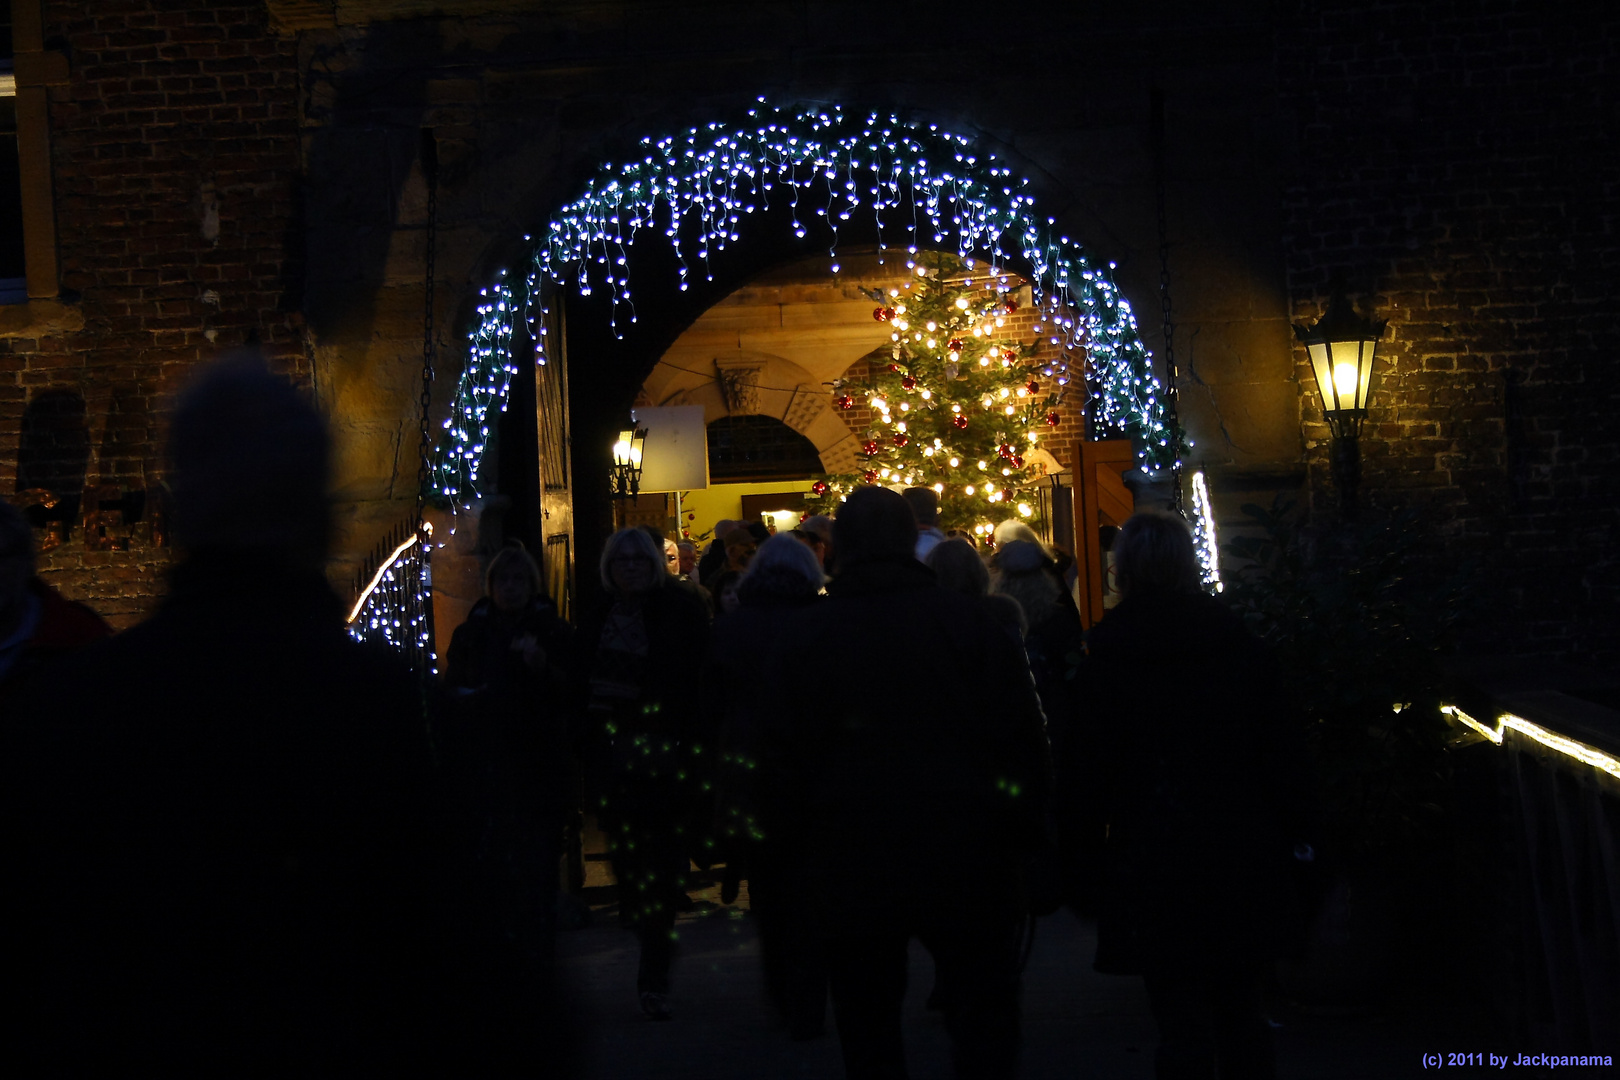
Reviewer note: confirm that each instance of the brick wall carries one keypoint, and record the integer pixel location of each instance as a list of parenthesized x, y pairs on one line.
[(1456, 167), (175, 156)]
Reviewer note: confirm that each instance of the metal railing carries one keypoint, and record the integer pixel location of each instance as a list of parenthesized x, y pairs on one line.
[(1557, 908), (393, 603)]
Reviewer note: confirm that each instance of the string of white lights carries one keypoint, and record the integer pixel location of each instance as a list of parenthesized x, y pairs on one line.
[(697, 189), (1204, 538), (394, 604)]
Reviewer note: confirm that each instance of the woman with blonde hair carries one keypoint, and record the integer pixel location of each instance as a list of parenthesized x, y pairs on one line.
[(647, 751)]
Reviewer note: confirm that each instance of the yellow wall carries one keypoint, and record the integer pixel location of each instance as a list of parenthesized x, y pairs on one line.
[(725, 501)]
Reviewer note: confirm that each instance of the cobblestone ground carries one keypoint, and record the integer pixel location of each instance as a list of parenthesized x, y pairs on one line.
[(1077, 1024)]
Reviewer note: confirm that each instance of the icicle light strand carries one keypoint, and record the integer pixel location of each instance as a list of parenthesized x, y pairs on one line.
[(929, 187)]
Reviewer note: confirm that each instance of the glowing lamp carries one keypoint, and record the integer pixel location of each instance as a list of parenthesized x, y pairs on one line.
[(1341, 347), (626, 475)]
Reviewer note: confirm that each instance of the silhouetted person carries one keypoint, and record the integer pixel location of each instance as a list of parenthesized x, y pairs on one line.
[(232, 863), (924, 503), (1053, 638), (37, 625), (821, 525), (959, 568), (648, 755), (782, 580), (917, 789), (507, 740), (713, 559), (1193, 794)]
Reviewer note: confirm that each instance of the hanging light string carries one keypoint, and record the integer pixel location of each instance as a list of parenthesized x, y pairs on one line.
[(1172, 373), (696, 190), (1205, 541)]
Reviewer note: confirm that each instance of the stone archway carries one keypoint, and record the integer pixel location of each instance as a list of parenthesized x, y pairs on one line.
[(772, 348), (791, 181)]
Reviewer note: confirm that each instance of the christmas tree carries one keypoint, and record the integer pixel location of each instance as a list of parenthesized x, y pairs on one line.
[(960, 405)]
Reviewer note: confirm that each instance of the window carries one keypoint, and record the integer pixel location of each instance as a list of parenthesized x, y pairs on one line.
[(13, 264), (748, 448), (28, 266)]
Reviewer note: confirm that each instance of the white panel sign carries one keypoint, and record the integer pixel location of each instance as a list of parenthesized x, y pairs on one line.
[(676, 454)]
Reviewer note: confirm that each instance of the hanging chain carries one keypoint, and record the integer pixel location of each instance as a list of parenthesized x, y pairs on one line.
[(430, 173), (1172, 372)]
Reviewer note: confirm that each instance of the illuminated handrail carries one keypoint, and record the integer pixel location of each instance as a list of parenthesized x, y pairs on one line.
[(376, 579), (395, 608), (1569, 747)]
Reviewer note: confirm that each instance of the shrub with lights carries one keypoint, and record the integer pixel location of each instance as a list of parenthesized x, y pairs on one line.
[(961, 405)]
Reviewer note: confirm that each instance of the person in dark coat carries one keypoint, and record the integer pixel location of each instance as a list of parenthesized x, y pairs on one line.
[(917, 791), (507, 740), (1184, 792), (784, 578), (37, 624), (1053, 638), (229, 857), (959, 568), (648, 751)]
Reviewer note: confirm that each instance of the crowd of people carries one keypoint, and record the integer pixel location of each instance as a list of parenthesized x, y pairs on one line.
[(252, 845)]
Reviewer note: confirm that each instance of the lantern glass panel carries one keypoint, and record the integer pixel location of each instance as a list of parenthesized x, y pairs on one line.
[(1324, 374), (1364, 389)]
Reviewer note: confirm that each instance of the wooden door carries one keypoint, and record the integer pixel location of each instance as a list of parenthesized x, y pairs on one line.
[(1101, 501), (556, 499)]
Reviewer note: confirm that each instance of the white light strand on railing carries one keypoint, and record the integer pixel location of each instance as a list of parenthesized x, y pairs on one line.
[(696, 190), (395, 603), (1204, 539), (1569, 747), (382, 571)]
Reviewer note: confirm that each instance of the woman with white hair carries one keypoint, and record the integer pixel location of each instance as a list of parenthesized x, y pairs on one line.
[(646, 751), (782, 580)]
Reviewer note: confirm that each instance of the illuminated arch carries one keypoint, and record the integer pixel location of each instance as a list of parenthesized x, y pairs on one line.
[(927, 187)]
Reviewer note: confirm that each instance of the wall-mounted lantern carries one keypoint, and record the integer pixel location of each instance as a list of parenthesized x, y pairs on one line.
[(1341, 347), (626, 475)]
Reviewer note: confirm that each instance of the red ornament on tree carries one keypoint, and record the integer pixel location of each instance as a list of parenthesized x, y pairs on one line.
[(1052, 419), (870, 476), (819, 487), (956, 344), (909, 383), (1008, 356), (894, 367), (900, 440), (1009, 305), (880, 314), (959, 420), (846, 402), (1033, 387), (869, 447), (1018, 461)]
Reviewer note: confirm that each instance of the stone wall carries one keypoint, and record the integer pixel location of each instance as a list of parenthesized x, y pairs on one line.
[(174, 152), (1456, 169)]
